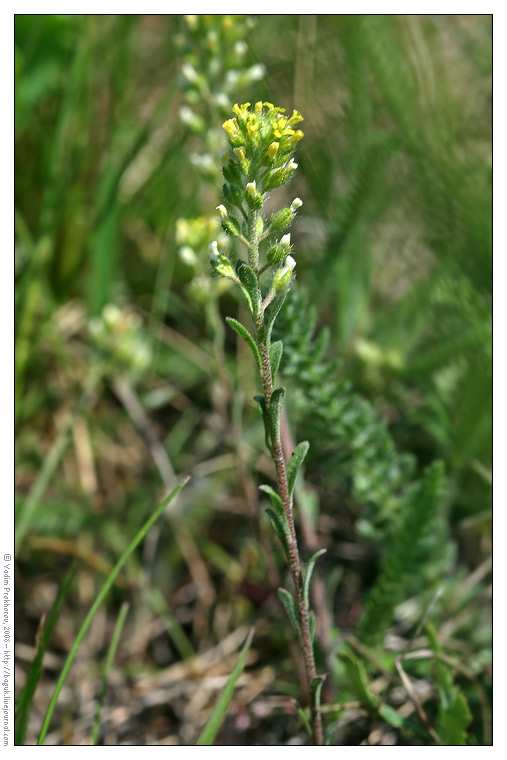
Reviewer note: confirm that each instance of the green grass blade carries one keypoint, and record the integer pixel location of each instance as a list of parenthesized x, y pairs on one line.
[(51, 462), (216, 718), (172, 624), (98, 601), (24, 700), (111, 652)]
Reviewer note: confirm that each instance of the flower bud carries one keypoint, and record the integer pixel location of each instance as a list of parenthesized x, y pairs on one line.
[(223, 211), (240, 48), (187, 255), (236, 137), (283, 276), (213, 251), (190, 73), (253, 198), (296, 203), (273, 150), (192, 120), (285, 244)]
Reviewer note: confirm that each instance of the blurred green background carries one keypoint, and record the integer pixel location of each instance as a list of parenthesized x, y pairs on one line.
[(116, 182)]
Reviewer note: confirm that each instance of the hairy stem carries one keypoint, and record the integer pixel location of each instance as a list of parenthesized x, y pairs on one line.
[(253, 240), (294, 558)]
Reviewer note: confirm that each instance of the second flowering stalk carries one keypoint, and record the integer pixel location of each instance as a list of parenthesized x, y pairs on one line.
[(262, 141)]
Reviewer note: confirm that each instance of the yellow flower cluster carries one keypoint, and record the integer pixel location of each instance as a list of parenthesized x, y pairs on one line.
[(264, 127)]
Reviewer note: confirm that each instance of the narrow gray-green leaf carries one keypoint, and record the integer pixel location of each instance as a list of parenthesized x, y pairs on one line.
[(216, 718), (276, 404), (279, 530), (267, 433), (249, 280), (308, 575), (312, 621), (316, 688), (295, 462), (275, 499), (290, 608), (277, 304), (247, 337), (280, 515), (275, 356)]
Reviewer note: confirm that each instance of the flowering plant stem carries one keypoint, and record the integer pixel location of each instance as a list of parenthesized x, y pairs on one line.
[(263, 344), (262, 141)]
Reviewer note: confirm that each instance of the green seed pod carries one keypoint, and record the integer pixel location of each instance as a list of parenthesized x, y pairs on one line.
[(275, 254), (274, 179), (223, 267), (283, 276), (281, 279), (245, 166), (282, 219), (231, 225)]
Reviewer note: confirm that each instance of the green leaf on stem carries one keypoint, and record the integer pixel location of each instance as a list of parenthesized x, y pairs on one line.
[(308, 575), (275, 499), (281, 526), (290, 608), (275, 408), (303, 714), (275, 356), (277, 304), (247, 337), (262, 405), (312, 621), (249, 280), (295, 462), (279, 530), (316, 689)]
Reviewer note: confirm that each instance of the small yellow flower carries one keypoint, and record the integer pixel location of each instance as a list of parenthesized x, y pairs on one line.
[(295, 118), (252, 127), (272, 150), (242, 110), (231, 127)]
